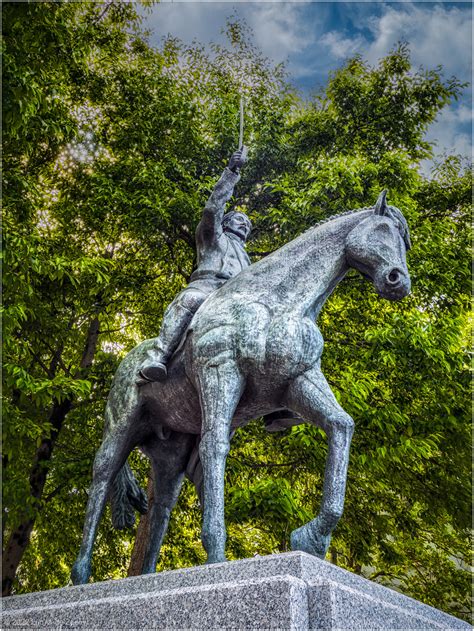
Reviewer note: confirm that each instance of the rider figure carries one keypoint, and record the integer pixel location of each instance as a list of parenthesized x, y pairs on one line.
[(220, 241)]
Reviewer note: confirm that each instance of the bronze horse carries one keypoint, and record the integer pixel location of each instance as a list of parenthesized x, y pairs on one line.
[(252, 348)]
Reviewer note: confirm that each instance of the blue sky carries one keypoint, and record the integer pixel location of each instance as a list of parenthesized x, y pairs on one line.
[(314, 38)]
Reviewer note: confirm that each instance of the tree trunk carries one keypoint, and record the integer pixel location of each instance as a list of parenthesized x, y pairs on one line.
[(4, 512), (20, 536), (143, 533)]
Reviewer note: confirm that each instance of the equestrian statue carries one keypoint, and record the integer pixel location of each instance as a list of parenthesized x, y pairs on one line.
[(241, 342)]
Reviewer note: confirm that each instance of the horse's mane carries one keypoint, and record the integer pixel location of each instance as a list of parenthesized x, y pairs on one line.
[(337, 216), (391, 209)]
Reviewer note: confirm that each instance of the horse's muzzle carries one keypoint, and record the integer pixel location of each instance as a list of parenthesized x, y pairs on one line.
[(393, 284)]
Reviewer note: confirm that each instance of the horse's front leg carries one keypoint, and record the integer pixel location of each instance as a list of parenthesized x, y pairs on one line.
[(220, 388), (311, 397)]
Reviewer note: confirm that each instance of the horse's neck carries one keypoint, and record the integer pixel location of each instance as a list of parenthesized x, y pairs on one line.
[(298, 278)]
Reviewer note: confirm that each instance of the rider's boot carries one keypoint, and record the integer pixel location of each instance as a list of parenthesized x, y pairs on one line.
[(175, 322), (154, 366), (281, 420)]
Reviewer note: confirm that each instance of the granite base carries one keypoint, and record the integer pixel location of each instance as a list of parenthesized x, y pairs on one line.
[(283, 591)]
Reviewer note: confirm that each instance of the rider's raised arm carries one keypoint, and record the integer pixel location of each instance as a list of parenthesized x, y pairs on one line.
[(210, 226)]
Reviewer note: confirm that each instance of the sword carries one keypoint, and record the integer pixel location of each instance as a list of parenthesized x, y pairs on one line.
[(241, 129)]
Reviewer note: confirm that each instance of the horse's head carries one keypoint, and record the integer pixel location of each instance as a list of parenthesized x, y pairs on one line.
[(377, 247)]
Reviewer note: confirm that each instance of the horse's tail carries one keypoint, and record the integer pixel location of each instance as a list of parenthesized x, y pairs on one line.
[(126, 496)]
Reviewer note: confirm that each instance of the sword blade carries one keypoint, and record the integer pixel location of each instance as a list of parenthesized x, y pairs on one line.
[(241, 130)]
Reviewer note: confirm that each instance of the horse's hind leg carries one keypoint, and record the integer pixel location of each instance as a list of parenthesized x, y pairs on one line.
[(110, 457), (169, 458)]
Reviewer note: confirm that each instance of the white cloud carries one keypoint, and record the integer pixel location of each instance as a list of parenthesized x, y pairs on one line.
[(436, 36), (278, 28), (448, 131), (186, 21), (342, 47)]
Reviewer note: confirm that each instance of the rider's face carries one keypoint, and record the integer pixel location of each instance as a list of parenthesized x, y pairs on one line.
[(239, 225)]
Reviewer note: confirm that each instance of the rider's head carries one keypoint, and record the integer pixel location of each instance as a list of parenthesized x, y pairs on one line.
[(237, 223)]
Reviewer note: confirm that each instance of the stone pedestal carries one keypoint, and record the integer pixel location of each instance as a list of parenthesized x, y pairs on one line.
[(283, 591)]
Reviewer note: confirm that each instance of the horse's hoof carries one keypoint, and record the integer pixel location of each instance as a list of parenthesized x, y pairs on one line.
[(307, 540), (149, 569), (299, 541), (80, 573)]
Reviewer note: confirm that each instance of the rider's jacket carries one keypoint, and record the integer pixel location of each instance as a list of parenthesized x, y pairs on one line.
[(220, 255)]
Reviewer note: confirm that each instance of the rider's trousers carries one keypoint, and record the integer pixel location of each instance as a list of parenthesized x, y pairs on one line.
[(179, 314)]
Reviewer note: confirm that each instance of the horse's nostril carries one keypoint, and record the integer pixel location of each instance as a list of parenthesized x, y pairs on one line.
[(394, 276)]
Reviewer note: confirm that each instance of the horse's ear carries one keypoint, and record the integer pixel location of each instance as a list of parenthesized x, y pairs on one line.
[(381, 205)]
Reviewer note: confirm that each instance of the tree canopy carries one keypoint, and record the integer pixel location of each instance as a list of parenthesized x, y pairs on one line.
[(111, 148)]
